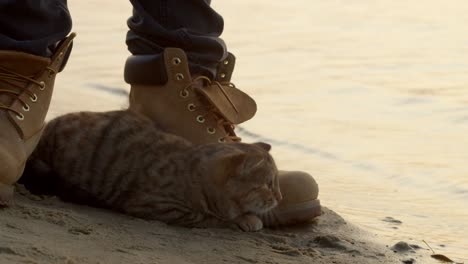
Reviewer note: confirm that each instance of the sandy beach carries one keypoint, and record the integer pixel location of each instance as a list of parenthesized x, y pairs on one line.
[(46, 230)]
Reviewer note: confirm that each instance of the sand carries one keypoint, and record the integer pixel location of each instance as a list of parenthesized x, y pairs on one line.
[(40, 229)]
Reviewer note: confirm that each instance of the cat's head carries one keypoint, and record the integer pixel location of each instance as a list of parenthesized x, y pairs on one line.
[(242, 178)]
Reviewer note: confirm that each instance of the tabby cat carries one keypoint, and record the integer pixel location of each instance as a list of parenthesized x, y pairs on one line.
[(123, 161)]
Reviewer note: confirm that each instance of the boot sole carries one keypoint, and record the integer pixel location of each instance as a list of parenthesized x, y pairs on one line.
[(6, 195), (294, 214)]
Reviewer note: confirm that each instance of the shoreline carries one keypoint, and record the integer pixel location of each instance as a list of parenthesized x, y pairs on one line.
[(44, 229)]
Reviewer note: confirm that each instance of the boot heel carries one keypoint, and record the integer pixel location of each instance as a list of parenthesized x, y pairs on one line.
[(6, 195)]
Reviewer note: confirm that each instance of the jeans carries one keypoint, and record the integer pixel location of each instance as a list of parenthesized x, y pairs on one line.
[(36, 26)]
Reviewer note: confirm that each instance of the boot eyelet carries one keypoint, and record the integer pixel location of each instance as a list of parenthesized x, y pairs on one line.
[(211, 130), (51, 73), (184, 93), (191, 107), (33, 98), (26, 108), (200, 119), (222, 75), (176, 61), (42, 86), (20, 116), (179, 76), (221, 140), (226, 62)]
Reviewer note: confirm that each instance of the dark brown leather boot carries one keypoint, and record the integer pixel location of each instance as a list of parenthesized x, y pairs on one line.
[(205, 111), (26, 86)]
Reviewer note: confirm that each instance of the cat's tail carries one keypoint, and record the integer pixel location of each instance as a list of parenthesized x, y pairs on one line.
[(39, 178)]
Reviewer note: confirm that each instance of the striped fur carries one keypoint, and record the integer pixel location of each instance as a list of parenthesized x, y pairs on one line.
[(122, 161)]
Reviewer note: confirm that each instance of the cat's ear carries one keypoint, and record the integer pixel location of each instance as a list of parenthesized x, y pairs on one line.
[(239, 163), (235, 161), (263, 145), (224, 165)]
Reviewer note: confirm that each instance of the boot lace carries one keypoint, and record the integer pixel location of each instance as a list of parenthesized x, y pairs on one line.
[(11, 78), (221, 121)]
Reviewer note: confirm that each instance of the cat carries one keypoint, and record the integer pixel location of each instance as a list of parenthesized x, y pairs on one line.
[(122, 161)]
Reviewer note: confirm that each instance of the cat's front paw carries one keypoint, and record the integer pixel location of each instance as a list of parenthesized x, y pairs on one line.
[(249, 223)]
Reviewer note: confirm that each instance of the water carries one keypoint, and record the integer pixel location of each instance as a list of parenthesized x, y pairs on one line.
[(371, 97)]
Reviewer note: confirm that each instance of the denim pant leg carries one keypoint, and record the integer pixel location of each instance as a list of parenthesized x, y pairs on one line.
[(191, 25), (33, 26)]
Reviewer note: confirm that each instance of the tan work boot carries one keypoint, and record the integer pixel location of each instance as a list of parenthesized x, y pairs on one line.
[(205, 111), (299, 204), (200, 110), (26, 85)]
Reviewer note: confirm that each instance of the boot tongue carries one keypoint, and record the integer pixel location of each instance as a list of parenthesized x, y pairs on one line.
[(232, 104), (22, 64)]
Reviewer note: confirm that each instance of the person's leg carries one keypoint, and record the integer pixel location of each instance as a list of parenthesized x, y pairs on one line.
[(30, 57), (33, 26), (191, 25), (180, 75)]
